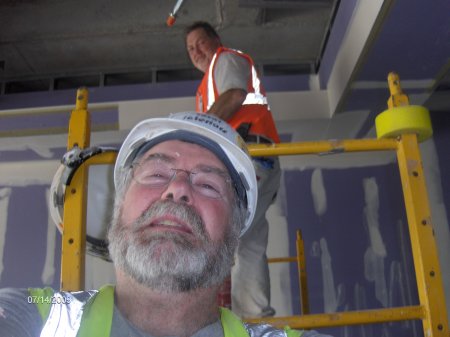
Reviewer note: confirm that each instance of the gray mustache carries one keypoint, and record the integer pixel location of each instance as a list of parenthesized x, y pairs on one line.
[(183, 212)]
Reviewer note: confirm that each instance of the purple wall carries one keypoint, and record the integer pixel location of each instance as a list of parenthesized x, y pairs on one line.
[(26, 239), (344, 227)]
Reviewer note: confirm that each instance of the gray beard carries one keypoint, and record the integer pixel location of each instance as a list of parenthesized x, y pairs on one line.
[(169, 261)]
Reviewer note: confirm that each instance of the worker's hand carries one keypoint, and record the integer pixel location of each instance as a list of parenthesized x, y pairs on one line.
[(228, 103)]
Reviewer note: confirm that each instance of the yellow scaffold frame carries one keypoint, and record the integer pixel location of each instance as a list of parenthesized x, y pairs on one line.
[(431, 309)]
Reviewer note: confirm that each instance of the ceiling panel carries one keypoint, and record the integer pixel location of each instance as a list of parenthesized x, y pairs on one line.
[(59, 38)]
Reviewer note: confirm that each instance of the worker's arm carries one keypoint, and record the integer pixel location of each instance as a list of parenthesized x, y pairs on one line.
[(228, 103), (231, 74)]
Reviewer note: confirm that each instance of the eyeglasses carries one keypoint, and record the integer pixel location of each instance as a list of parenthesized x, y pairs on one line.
[(206, 181)]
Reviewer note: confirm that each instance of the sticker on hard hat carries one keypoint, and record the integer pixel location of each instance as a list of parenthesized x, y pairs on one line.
[(216, 123)]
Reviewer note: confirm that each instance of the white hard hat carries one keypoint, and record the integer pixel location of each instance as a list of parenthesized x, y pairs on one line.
[(208, 131)]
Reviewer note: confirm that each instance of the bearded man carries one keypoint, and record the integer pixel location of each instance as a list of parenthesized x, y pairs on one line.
[(185, 193)]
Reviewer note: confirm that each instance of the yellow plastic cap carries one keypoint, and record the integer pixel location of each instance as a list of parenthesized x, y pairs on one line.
[(396, 121)]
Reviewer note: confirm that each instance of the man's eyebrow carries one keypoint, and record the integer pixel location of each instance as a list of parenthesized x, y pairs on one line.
[(209, 168), (158, 156)]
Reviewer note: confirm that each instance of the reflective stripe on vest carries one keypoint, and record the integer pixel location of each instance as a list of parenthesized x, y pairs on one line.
[(254, 111), (90, 313), (71, 314), (255, 94)]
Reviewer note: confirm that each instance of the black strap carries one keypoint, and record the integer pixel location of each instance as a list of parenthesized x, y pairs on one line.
[(243, 130)]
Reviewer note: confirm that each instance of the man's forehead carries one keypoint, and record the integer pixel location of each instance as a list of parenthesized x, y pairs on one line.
[(178, 149), (199, 33)]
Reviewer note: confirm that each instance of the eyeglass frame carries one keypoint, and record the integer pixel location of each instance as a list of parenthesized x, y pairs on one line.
[(228, 181)]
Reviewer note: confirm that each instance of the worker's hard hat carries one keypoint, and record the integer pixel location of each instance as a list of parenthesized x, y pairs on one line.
[(208, 131)]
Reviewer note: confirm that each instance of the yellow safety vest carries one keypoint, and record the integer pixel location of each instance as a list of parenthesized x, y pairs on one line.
[(98, 314)]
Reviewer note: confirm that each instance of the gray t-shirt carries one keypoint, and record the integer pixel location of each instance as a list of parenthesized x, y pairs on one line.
[(231, 72), (19, 318), (121, 327)]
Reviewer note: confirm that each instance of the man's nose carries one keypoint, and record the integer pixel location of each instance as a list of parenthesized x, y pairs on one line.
[(194, 51), (179, 189)]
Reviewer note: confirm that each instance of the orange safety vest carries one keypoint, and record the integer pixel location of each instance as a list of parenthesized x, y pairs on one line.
[(254, 110)]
